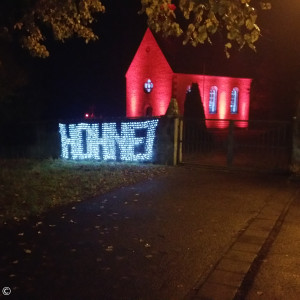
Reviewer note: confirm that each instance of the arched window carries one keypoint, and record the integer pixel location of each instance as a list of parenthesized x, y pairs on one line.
[(148, 86), (234, 103), (213, 100), (149, 111)]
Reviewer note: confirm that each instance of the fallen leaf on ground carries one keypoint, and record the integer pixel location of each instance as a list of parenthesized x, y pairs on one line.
[(109, 248), (120, 257)]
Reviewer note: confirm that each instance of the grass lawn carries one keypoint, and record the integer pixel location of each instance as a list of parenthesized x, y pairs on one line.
[(31, 187)]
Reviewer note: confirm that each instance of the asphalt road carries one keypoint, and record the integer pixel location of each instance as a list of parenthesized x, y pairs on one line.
[(158, 239)]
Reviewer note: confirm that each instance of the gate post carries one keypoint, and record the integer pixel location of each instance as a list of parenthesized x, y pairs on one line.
[(296, 146), (230, 144), (180, 140), (175, 142), (168, 141)]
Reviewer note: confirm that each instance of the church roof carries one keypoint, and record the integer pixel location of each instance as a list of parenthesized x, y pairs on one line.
[(205, 58)]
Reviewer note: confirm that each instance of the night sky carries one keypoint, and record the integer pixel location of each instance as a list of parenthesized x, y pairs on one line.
[(77, 76)]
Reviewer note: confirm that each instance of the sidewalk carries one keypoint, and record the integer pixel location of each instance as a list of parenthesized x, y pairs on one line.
[(279, 273), (175, 237), (233, 275)]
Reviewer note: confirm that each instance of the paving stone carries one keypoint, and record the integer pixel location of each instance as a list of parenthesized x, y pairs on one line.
[(227, 278), (271, 212), (241, 255), (259, 233), (246, 247), (212, 291), (251, 239), (262, 224), (232, 265)]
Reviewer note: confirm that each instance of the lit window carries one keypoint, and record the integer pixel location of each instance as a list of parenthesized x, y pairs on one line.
[(213, 96), (234, 101), (148, 86)]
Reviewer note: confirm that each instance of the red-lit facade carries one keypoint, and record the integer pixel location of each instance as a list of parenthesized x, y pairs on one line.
[(151, 82)]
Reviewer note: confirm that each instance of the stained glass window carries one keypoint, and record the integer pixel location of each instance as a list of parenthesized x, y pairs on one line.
[(234, 103), (213, 98), (148, 86)]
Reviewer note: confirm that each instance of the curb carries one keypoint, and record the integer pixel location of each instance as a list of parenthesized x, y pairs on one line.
[(232, 276)]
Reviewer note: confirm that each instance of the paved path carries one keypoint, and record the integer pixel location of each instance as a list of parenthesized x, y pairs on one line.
[(234, 272), (278, 276), (179, 236)]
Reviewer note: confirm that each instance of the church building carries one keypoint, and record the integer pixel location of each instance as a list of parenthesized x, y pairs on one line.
[(161, 70)]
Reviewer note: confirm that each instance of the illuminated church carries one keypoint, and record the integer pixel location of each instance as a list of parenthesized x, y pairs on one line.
[(162, 69)]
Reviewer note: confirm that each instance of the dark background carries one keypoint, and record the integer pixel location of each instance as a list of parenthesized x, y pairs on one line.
[(78, 78)]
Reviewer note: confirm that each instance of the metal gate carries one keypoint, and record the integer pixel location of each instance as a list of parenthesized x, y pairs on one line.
[(258, 145)]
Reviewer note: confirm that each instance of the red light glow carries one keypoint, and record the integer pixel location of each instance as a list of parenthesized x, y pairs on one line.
[(149, 63), (141, 70)]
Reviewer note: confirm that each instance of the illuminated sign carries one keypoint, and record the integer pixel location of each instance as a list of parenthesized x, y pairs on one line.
[(86, 141)]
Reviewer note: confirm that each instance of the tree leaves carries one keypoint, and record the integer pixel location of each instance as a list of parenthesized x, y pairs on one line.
[(65, 18), (235, 19)]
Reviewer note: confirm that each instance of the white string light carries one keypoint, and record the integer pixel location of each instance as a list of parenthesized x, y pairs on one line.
[(83, 141)]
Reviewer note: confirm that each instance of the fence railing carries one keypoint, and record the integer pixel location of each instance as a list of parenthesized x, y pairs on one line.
[(258, 145), (254, 145)]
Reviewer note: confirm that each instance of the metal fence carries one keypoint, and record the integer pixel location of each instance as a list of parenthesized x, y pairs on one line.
[(259, 145)]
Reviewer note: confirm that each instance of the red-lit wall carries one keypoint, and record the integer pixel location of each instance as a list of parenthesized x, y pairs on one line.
[(148, 63), (225, 85)]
